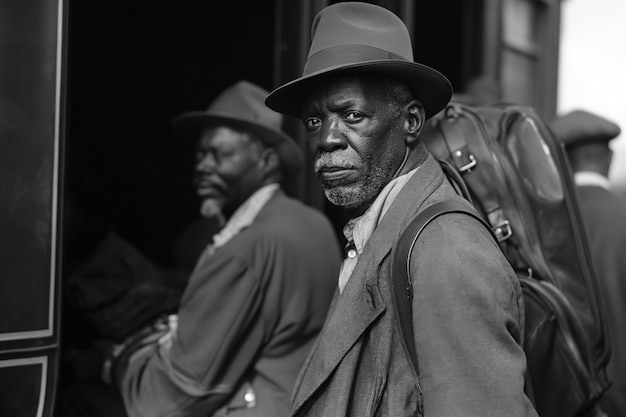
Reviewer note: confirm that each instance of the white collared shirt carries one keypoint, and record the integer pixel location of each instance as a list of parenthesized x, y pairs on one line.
[(241, 218), (359, 230)]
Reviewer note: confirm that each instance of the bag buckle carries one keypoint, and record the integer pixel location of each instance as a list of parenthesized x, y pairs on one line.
[(471, 164), (503, 230), (468, 160)]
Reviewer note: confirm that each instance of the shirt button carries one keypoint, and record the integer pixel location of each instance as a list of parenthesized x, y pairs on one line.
[(352, 254)]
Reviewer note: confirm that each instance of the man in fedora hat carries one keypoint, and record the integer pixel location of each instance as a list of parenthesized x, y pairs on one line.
[(586, 138), (260, 291), (363, 102)]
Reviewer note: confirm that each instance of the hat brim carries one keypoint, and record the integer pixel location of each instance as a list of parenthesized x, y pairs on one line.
[(427, 84), (188, 125)]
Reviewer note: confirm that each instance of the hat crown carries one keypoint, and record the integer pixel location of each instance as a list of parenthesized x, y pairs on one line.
[(364, 24), (361, 38), (245, 101), (242, 106)]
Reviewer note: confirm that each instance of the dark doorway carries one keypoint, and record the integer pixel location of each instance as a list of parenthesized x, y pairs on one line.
[(132, 67)]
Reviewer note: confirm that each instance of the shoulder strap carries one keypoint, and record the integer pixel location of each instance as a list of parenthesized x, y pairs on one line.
[(401, 262)]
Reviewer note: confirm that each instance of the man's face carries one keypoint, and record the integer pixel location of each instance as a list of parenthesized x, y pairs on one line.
[(357, 139), (227, 170)]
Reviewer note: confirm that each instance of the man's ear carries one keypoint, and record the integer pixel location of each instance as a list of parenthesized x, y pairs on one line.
[(270, 161), (414, 121)]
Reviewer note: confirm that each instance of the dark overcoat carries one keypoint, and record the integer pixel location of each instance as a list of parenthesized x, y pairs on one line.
[(468, 324), (603, 214), (248, 319)]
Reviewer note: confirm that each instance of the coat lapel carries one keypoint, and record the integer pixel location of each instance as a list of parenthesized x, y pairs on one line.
[(361, 303), (355, 309)]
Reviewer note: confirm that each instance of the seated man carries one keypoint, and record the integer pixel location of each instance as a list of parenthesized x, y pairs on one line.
[(259, 293)]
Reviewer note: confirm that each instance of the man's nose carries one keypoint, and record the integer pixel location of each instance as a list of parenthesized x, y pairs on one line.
[(331, 136), (206, 163)]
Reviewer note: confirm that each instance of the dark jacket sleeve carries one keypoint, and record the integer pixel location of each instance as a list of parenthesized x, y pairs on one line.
[(468, 319), (194, 371)]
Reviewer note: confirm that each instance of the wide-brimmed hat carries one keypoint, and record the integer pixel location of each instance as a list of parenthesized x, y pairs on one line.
[(241, 106), (579, 127), (353, 36)]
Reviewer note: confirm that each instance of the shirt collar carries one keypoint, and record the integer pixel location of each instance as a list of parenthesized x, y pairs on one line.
[(589, 178), (361, 228), (244, 215)]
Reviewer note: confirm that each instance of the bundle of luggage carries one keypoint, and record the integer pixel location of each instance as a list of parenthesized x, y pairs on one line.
[(506, 162)]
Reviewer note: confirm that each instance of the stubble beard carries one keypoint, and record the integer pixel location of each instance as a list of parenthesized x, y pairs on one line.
[(212, 208), (359, 195)]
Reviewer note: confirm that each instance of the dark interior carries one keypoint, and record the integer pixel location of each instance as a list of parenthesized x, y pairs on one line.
[(132, 67)]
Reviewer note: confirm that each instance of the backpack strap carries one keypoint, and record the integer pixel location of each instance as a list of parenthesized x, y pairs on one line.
[(401, 262)]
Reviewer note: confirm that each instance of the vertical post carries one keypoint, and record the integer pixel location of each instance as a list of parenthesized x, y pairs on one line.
[(550, 58), (492, 36), (291, 45)]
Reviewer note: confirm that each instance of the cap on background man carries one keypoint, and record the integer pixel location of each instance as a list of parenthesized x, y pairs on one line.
[(586, 138), (579, 127)]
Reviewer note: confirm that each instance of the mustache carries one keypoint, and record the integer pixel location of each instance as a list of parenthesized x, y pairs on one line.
[(203, 180), (327, 160)]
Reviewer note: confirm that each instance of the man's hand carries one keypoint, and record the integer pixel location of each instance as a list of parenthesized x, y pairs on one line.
[(160, 332)]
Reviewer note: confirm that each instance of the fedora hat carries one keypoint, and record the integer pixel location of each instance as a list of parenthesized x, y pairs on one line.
[(354, 36), (241, 106), (580, 127)]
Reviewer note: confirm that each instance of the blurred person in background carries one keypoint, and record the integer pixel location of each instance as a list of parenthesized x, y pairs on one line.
[(259, 293), (586, 138)]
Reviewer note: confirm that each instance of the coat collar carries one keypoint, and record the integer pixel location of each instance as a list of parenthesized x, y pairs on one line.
[(361, 303)]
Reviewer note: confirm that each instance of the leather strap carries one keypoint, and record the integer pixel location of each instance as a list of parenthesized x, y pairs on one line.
[(454, 132), (455, 179), (401, 262)]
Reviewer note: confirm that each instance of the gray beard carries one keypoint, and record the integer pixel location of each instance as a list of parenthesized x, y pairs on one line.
[(211, 208), (361, 194)]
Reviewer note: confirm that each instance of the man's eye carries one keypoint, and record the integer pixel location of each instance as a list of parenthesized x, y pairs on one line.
[(203, 156), (200, 156), (224, 154), (311, 123), (353, 116)]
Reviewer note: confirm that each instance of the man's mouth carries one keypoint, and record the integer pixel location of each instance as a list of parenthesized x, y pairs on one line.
[(206, 192), (206, 188), (334, 173)]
